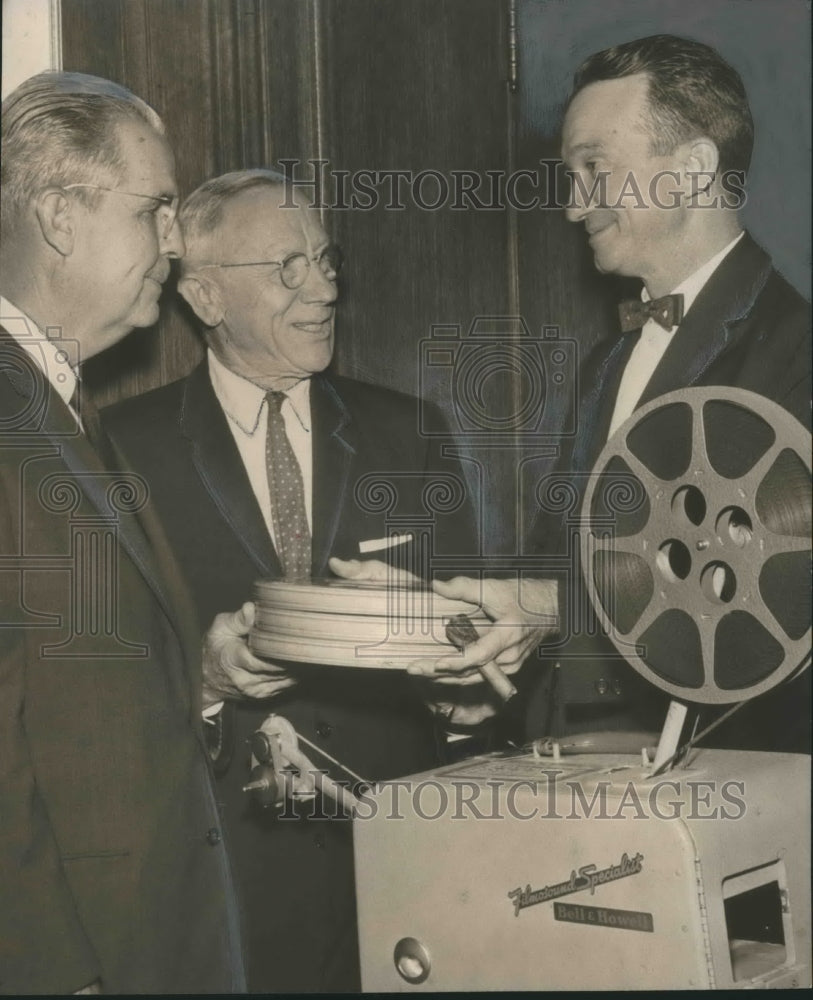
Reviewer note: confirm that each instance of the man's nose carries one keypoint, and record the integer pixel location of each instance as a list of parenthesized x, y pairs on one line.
[(577, 204), (575, 213), (318, 287), (173, 245)]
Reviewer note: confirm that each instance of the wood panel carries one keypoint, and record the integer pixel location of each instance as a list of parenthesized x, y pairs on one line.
[(430, 95), (232, 81), (420, 86)]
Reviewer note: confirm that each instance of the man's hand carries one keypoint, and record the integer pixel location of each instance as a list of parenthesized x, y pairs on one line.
[(230, 669), (459, 706), (373, 570), (523, 613)]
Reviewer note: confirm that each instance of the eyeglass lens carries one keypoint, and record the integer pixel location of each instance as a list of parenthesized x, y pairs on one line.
[(294, 270)]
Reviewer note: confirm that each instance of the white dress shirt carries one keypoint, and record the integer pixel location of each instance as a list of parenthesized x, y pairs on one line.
[(654, 340), (48, 355), (246, 411)]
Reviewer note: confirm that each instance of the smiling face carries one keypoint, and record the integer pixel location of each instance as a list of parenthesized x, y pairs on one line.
[(121, 254), (636, 217), (272, 335)]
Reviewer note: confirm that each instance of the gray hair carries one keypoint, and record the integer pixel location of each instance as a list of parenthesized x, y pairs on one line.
[(202, 212), (59, 129)]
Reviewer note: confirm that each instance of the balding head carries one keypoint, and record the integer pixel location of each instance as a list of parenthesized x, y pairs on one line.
[(260, 274), (206, 210)]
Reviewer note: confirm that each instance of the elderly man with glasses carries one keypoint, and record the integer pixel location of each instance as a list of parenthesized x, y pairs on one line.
[(261, 275), (113, 871)]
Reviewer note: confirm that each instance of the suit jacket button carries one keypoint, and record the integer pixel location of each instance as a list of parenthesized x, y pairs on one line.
[(324, 729), (213, 837), (319, 840)]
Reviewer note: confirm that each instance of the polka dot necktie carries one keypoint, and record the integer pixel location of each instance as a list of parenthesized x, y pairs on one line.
[(292, 536)]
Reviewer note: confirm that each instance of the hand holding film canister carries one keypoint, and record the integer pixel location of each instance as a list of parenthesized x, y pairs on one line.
[(230, 669), (461, 633), (522, 613)]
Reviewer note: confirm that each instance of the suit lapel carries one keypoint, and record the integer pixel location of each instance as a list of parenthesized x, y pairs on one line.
[(222, 472), (598, 402), (708, 329), (49, 418), (180, 608), (99, 485), (333, 451)]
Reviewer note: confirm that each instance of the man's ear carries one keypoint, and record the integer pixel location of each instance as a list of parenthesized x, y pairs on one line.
[(57, 220), (700, 162), (204, 297)]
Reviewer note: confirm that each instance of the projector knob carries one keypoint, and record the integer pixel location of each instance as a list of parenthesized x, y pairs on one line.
[(412, 960)]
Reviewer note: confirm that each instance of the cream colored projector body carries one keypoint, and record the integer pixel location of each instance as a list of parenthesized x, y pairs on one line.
[(524, 873), (588, 873)]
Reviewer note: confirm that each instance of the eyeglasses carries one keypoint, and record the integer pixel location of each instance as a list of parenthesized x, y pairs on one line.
[(294, 269), (165, 212)]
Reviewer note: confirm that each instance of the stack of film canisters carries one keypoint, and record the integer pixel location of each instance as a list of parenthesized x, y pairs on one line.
[(353, 624)]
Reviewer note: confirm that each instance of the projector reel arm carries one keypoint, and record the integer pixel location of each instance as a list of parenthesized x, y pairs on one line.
[(282, 771)]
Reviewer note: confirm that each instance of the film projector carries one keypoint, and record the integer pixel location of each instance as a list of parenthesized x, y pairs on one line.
[(677, 867)]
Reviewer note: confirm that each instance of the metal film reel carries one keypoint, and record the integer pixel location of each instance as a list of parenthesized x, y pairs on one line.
[(696, 543)]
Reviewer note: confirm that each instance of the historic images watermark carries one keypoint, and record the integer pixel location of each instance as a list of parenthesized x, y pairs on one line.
[(508, 387), (548, 796), (548, 186), (46, 456), (457, 363)]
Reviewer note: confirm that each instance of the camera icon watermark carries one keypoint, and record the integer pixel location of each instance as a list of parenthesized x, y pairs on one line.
[(23, 360), (500, 379)]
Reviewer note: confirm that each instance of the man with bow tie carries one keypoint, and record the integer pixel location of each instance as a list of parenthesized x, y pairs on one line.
[(657, 137), (668, 119)]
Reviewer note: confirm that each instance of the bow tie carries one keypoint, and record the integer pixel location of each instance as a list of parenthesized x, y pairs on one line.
[(666, 311)]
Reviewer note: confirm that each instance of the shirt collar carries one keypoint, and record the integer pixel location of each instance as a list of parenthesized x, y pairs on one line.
[(693, 285), (49, 357), (242, 400)]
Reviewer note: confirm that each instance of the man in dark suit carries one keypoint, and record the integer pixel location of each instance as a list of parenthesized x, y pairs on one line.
[(658, 138), (261, 275), (113, 872)]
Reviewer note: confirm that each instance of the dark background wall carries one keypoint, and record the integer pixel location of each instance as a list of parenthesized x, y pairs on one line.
[(425, 85)]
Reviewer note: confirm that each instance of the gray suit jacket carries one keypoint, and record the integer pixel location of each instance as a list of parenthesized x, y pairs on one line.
[(112, 862)]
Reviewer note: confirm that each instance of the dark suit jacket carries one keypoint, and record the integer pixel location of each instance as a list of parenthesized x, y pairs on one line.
[(297, 876), (112, 865), (748, 329)]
